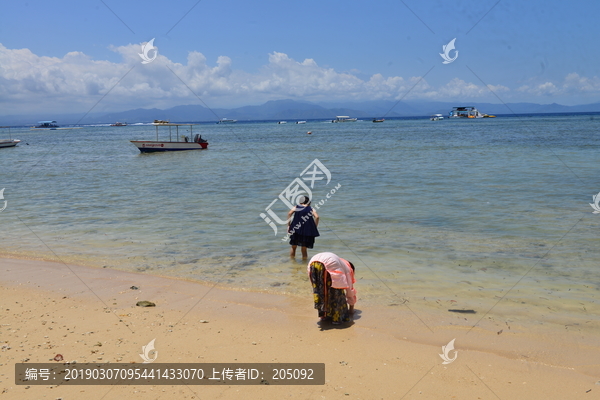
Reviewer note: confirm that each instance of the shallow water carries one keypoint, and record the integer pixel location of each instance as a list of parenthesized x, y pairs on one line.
[(449, 214)]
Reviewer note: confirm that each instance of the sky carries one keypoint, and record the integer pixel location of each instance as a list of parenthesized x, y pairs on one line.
[(68, 56)]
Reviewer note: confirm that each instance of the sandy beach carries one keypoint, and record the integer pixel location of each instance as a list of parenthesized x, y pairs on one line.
[(90, 315)]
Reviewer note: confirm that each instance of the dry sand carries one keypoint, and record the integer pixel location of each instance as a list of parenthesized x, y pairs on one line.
[(89, 315)]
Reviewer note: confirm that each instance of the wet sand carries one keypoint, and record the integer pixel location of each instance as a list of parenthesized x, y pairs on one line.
[(89, 315)]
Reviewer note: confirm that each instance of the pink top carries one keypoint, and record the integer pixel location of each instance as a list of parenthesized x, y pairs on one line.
[(342, 276)]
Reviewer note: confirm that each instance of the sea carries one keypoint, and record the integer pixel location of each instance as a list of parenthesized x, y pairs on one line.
[(495, 215)]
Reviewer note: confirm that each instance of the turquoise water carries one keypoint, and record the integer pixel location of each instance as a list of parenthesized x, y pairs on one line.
[(447, 214)]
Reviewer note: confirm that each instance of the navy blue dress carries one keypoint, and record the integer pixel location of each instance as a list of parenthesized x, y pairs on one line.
[(303, 229)]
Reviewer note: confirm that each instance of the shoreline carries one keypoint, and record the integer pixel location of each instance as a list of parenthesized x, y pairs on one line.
[(49, 311), (557, 314)]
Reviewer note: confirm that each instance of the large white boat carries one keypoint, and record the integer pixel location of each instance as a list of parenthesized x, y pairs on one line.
[(50, 125), (468, 112), (226, 121), (465, 112), (344, 118), (46, 125), (192, 142)]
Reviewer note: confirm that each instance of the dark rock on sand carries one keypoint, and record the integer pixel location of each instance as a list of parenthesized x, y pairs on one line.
[(464, 311), (145, 303)]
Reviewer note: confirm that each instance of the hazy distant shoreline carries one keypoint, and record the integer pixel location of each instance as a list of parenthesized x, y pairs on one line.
[(279, 110)]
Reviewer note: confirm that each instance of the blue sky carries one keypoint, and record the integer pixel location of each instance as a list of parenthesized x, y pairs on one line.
[(63, 55)]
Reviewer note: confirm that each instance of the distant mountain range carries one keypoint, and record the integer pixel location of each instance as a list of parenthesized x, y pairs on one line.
[(298, 110)]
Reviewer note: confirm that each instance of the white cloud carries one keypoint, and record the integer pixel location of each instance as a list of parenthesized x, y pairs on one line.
[(544, 89), (459, 89), (75, 82), (572, 84)]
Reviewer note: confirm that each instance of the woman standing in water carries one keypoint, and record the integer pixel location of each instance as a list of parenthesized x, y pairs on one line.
[(303, 227), (332, 279)]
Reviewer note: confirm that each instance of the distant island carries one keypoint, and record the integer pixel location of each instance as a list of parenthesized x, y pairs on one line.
[(300, 110)]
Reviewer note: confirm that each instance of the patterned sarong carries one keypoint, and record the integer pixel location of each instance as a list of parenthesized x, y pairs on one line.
[(329, 301)]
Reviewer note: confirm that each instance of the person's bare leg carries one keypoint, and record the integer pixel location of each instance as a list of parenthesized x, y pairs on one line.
[(293, 251), (304, 253)]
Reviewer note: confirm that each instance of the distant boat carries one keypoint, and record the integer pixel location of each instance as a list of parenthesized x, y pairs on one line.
[(468, 112), (436, 117), (378, 120), (50, 125), (119, 124), (300, 122), (46, 125), (180, 143), (282, 122), (344, 118), (226, 121)]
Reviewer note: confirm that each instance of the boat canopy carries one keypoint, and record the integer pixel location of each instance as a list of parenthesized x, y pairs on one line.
[(46, 122), (342, 116), (170, 124)]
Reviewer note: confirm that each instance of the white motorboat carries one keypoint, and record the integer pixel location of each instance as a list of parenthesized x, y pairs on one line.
[(436, 117), (180, 143), (282, 122), (226, 121), (300, 122), (344, 118), (10, 142)]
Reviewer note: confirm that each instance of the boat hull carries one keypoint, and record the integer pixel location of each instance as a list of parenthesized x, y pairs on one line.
[(9, 143), (53, 129), (149, 146)]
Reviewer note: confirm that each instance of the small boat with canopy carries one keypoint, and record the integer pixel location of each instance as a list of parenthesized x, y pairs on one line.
[(179, 143)]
